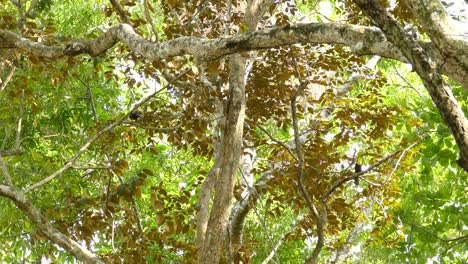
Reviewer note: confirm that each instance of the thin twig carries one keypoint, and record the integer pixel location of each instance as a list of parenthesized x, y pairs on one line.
[(253, 192), (446, 240), (121, 12), (108, 187), (401, 157), (410, 85), (4, 83), (20, 121), (90, 168), (278, 142), (157, 129), (320, 217), (150, 20), (453, 245), (91, 100), (113, 235), (280, 241), (134, 208)]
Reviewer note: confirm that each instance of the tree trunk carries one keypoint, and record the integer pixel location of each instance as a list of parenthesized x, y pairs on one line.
[(216, 230)]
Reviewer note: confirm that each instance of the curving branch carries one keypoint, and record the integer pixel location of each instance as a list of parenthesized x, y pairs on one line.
[(433, 81), (320, 216), (445, 240), (449, 38), (278, 142), (46, 227), (362, 40), (120, 11)]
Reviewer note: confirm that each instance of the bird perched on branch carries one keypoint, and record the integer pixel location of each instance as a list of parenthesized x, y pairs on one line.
[(135, 115), (357, 169)]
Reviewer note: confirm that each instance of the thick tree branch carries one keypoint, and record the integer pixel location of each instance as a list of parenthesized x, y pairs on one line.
[(46, 227), (440, 92), (447, 37), (362, 40)]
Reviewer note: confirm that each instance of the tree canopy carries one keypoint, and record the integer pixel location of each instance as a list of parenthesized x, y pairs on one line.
[(233, 131)]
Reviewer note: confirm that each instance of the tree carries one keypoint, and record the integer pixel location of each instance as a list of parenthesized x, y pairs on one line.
[(105, 115)]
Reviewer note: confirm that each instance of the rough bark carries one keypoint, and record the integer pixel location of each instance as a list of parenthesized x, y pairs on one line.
[(231, 148), (47, 228), (248, 196), (208, 185), (439, 91), (230, 154), (448, 38), (254, 12), (362, 40), (203, 213)]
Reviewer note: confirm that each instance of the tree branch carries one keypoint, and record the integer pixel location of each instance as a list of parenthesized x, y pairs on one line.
[(157, 129), (231, 147), (46, 227), (7, 79), (11, 152), (120, 12), (341, 181), (362, 40), (446, 36), (439, 90), (146, 7), (7, 175), (446, 240), (230, 154), (278, 142)]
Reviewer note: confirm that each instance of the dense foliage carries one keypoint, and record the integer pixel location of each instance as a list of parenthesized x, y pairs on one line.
[(132, 196)]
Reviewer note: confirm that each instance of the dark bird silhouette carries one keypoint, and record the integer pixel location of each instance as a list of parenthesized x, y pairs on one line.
[(357, 169), (134, 116)]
